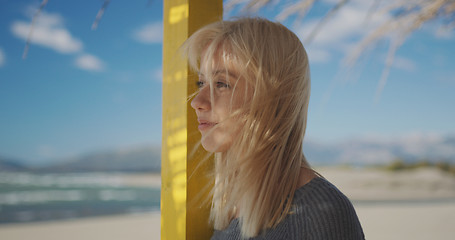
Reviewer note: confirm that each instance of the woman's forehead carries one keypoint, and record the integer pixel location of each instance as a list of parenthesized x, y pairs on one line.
[(216, 72), (219, 62)]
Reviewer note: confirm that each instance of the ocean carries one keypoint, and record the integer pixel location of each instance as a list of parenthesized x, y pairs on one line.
[(30, 197)]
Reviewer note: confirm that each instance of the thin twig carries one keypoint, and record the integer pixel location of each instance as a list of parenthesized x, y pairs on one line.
[(29, 37), (99, 15)]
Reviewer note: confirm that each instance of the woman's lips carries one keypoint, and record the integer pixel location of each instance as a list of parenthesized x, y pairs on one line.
[(204, 125)]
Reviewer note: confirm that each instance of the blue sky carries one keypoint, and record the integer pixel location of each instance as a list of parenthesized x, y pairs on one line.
[(81, 90)]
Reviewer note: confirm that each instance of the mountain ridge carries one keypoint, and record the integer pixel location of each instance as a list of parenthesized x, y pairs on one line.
[(362, 151)]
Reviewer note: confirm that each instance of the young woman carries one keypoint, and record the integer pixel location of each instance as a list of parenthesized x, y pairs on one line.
[(252, 103)]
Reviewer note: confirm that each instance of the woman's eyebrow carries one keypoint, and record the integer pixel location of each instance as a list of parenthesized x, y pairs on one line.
[(233, 75)]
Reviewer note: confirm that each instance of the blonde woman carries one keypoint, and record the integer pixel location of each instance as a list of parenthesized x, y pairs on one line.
[(252, 103)]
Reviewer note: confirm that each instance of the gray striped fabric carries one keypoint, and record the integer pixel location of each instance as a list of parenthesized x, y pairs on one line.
[(320, 212)]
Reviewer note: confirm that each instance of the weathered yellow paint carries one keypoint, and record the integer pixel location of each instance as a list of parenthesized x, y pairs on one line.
[(182, 214), (178, 13)]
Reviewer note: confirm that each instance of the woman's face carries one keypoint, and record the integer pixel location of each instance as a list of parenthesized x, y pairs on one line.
[(221, 93)]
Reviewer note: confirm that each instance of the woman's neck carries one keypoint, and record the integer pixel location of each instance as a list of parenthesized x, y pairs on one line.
[(305, 176)]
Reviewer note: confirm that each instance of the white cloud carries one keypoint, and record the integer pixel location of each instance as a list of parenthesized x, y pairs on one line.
[(48, 32), (444, 33), (2, 57), (318, 54), (343, 30), (44, 17), (150, 33), (404, 64), (89, 62), (439, 30)]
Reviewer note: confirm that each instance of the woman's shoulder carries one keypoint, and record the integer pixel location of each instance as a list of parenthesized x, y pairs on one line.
[(321, 211), (317, 190)]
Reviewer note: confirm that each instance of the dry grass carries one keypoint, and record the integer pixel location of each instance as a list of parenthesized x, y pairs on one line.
[(408, 16)]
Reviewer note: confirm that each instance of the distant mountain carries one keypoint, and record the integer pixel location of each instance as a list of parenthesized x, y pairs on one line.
[(369, 150), (140, 159), (11, 165), (377, 150)]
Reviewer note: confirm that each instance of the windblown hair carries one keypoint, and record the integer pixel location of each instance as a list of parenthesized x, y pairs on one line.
[(257, 177)]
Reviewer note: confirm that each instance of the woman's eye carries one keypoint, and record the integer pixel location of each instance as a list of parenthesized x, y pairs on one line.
[(199, 84), (222, 85)]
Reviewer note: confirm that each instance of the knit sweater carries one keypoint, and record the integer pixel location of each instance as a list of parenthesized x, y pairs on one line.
[(319, 212)]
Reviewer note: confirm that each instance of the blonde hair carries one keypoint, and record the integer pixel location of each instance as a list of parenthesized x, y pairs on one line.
[(256, 178)]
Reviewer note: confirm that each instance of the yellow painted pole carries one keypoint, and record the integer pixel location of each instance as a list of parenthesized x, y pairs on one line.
[(182, 214)]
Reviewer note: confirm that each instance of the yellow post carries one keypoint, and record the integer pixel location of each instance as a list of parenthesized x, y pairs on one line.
[(181, 217)]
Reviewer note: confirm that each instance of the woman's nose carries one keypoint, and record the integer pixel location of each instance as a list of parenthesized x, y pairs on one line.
[(201, 101)]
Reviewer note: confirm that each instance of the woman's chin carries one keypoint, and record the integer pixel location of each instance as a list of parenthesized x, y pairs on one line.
[(211, 145)]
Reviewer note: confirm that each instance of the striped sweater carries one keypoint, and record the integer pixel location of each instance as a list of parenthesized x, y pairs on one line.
[(319, 212)]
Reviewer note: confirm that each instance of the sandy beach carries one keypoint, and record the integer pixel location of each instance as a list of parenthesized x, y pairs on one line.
[(138, 227), (418, 205), (416, 221)]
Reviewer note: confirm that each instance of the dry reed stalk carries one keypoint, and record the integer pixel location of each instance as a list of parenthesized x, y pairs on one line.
[(414, 16), (100, 14), (374, 7), (409, 16), (32, 26), (300, 8), (324, 20), (249, 6)]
